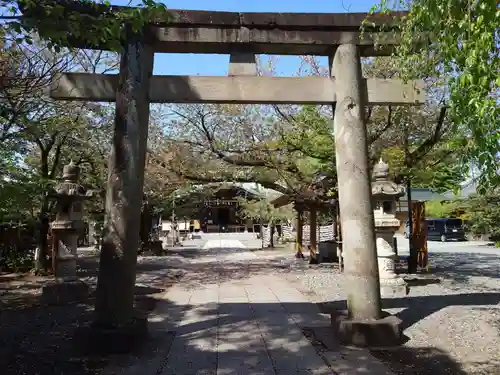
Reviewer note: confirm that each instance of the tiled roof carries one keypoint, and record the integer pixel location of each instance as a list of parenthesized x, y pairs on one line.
[(251, 187), (467, 189), (423, 195)]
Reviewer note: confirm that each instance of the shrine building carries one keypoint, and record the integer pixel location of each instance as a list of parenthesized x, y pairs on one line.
[(214, 209)]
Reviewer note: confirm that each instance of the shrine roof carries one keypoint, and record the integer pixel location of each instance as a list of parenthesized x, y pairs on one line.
[(253, 188)]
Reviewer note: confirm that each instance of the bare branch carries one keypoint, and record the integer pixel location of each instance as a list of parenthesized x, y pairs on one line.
[(429, 143)]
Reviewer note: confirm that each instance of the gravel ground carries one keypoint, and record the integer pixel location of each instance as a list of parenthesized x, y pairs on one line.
[(451, 316), (38, 340)]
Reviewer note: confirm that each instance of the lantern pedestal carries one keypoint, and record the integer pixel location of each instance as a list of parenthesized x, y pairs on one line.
[(60, 292), (95, 338), (69, 197), (391, 285), (385, 193)]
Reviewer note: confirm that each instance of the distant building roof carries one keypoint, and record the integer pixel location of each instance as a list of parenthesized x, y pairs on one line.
[(257, 189), (423, 195), (467, 189), (252, 188)]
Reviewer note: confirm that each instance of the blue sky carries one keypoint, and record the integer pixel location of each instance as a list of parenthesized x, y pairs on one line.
[(216, 65)]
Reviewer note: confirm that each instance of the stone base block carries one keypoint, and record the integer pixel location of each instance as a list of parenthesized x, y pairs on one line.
[(394, 288), (60, 292), (299, 255), (106, 339), (383, 332), (314, 260)]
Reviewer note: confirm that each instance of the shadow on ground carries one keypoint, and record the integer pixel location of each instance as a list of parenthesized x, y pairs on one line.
[(38, 339), (244, 347), (429, 361), (460, 267), (404, 360)]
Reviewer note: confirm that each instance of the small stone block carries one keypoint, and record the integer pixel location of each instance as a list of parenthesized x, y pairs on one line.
[(394, 290), (61, 292), (383, 332), (99, 339)]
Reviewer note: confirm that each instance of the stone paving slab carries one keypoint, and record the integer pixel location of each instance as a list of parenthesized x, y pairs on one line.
[(252, 334), (249, 327)]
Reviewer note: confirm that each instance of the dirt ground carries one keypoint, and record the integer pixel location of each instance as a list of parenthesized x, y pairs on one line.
[(38, 340)]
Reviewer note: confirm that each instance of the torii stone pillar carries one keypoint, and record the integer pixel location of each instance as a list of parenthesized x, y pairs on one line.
[(364, 324), (116, 282)]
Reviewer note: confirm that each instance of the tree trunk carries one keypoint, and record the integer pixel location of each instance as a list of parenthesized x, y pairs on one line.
[(41, 263), (114, 305), (145, 227), (272, 229)]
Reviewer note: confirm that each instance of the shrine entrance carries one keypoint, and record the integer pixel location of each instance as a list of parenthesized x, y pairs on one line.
[(215, 211), (242, 36)]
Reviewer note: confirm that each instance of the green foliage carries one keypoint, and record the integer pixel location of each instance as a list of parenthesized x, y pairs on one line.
[(482, 212), (16, 262), (437, 174), (310, 144), (313, 135), (437, 209), (462, 49), (85, 22), (262, 209), (19, 188), (38, 135)]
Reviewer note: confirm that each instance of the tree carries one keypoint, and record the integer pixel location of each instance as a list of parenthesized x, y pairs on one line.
[(482, 213), (229, 143), (415, 141), (266, 213), (66, 23), (41, 133), (461, 49), (19, 188), (284, 147), (437, 209), (84, 23), (161, 181)]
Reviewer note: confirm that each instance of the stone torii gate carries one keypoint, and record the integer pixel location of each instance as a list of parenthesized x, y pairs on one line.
[(242, 35)]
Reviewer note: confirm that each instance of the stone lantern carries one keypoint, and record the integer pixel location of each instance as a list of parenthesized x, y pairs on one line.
[(385, 194), (69, 197)]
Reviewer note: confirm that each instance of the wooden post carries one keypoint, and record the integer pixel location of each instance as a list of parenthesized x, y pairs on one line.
[(419, 234), (340, 251), (313, 227), (338, 236), (354, 183), (54, 251), (300, 235), (116, 281)]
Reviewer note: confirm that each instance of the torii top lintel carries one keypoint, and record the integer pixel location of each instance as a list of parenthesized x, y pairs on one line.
[(193, 31), (269, 33)]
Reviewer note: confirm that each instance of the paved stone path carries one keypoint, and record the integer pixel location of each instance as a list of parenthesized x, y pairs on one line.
[(236, 321)]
